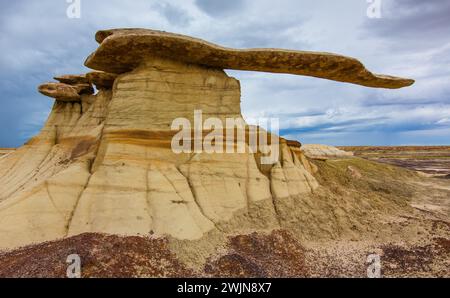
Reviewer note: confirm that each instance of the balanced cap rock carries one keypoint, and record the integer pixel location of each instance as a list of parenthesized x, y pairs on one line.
[(122, 50), (103, 162)]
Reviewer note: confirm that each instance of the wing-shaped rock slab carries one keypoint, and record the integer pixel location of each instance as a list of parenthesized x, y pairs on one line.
[(122, 50), (60, 91)]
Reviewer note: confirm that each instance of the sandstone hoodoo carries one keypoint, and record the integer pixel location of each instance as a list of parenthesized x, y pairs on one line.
[(104, 162)]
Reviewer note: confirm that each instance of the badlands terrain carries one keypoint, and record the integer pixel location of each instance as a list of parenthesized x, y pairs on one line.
[(361, 208), (102, 180), (433, 160)]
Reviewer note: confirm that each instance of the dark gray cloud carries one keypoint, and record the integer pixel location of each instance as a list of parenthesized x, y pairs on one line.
[(412, 23), (37, 41), (174, 15), (415, 31), (392, 126), (256, 34), (220, 7)]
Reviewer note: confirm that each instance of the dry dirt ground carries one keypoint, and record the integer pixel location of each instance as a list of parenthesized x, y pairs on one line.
[(362, 208)]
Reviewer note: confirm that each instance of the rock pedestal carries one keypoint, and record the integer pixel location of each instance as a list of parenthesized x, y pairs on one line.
[(103, 162)]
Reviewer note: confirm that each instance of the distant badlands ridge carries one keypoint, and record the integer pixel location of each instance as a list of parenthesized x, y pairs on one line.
[(432, 160)]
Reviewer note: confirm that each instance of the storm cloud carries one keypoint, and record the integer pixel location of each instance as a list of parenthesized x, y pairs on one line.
[(38, 41), (220, 7)]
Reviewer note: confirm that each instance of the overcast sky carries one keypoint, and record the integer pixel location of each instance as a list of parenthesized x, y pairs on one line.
[(411, 39)]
